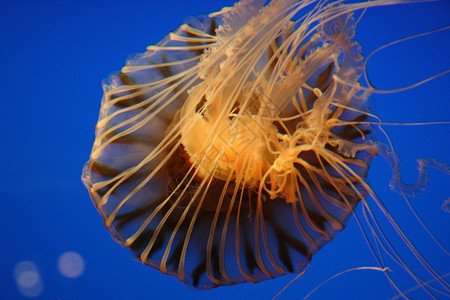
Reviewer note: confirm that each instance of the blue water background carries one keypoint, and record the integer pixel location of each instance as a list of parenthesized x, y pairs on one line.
[(53, 57)]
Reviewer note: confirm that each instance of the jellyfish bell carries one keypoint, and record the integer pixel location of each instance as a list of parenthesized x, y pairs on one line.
[(238, 146)]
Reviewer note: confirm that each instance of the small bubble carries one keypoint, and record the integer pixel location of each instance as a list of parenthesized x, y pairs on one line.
[(71, 264), (28, 279)]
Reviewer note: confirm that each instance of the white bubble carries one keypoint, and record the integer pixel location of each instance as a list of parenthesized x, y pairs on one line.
[(71, 264), (28, 279)]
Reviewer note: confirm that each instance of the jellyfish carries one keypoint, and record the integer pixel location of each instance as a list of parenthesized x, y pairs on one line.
[(239, 146)]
